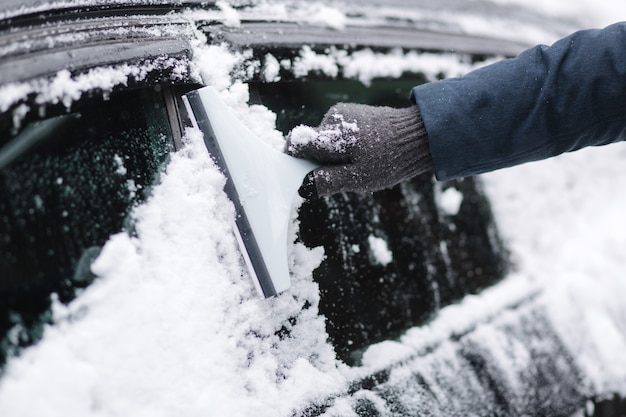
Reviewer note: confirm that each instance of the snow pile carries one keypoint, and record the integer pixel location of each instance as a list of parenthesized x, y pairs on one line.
[(365, 65), (223, 69), (66, 88), (198, 340)]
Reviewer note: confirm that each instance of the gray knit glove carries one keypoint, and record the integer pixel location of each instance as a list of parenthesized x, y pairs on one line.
[(362, 148)]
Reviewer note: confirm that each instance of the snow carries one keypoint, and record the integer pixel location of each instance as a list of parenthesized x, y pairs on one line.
[(302, 135), (173, 326), (449, 201), (321, 15), (66, 88), (379, 250), (335, 136), (157, 322), (310, 61), (337, 133), (365, 65), (563, 221), (230, 17)]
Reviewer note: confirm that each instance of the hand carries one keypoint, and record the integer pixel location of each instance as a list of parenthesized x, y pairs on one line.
[(363, 148)]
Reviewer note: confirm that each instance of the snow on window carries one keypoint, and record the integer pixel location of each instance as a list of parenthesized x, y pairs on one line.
[(119, 162), (174, 297), (310, 61), (366, 65), (380, 250), (271, 69), (66, 88)]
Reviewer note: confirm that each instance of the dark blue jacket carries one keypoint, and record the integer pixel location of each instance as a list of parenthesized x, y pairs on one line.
[(547, 101)]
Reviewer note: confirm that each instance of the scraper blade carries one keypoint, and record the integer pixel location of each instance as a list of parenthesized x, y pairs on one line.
[(261, 182)]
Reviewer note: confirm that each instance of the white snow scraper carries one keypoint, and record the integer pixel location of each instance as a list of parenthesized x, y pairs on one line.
[(261, 182)]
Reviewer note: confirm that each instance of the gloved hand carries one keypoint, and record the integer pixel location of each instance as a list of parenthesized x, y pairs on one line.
[(363, 148)]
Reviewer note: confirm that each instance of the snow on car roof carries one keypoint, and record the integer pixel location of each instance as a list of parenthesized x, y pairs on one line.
[(505, 20)]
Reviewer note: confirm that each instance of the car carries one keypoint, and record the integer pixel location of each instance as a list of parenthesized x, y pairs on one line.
[(118, 256)]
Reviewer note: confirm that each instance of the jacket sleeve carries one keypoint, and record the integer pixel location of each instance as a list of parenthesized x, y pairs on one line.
[(547, 101)]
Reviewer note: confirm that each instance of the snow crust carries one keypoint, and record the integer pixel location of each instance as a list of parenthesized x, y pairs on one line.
[(66, 88), (563, 219), (146, 339), (366, 65), (173, 326)]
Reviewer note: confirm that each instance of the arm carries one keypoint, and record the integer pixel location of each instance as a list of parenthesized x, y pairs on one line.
[(547, 101)]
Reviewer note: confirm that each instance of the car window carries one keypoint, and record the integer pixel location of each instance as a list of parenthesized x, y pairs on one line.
[(394, 257), (306, 102), (66, 184)]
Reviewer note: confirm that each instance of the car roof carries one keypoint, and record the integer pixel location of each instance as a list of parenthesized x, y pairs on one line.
[(422, 14), (411, 24), (10, 8)]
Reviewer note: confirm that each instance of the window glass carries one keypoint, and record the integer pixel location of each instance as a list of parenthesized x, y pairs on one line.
[(66, 184), (306, 102), (395, 257)]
